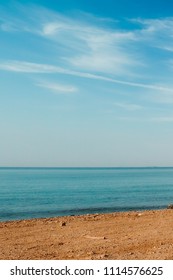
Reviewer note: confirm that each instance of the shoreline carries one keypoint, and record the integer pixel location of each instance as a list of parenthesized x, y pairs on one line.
[(80, 213), (120, 235)]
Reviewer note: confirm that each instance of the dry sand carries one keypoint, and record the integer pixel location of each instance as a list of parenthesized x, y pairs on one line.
[(129, 235)]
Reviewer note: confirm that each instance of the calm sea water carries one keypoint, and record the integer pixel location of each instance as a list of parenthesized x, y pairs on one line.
[(46, 192)]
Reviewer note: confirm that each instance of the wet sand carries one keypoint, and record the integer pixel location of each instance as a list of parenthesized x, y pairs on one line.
[(123, 236)]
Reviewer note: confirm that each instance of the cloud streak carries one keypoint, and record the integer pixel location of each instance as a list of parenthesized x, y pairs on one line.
[(58, 88), (28, 67)]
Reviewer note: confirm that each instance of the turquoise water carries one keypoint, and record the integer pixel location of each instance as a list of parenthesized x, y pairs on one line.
[(47, 192)]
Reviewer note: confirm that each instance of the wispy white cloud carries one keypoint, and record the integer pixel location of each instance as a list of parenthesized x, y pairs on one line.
[(90, 47), (16, 18), (168, 48), (28, 67), (156, 25), (156, 32), (94, 49), (52, 28), (82, 43), (58, 88), (110, 50)]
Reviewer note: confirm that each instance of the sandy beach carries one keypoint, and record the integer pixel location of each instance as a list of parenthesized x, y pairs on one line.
[(128, 235)]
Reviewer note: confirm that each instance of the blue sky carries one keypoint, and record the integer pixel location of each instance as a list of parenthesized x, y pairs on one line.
[(86, 83)]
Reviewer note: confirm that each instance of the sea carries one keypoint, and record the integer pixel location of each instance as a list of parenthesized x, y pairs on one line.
[(27, 193)]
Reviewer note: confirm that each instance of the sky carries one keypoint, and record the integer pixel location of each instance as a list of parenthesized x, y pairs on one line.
[(86, 83)]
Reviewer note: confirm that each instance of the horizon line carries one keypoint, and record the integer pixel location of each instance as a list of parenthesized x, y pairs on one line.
[(63, 167)]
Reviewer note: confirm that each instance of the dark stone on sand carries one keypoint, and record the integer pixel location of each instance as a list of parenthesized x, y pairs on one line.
[(62, 224)]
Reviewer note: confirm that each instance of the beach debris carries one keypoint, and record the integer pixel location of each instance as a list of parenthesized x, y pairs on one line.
[(103, 256), (170, 206), (95, 237), (62, 224), (60, 243), (139, 214)]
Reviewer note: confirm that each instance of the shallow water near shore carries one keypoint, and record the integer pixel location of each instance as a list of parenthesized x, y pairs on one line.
[(47, 192)]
